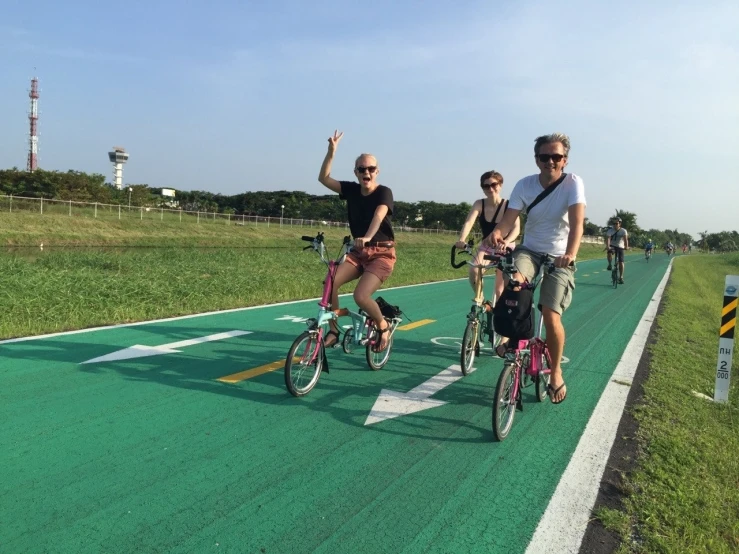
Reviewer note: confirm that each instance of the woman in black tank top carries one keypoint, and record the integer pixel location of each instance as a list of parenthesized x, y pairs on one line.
[(488, 212)]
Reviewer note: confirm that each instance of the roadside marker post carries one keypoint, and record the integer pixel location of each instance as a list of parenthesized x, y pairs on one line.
[(726, 339)]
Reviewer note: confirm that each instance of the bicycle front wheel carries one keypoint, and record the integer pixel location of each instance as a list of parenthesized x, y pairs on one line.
[(469, 344), (303, 364), (614, 278), (504, 405)]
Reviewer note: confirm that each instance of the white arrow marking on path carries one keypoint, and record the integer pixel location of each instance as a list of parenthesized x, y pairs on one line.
[(391, 404), (139, 351)]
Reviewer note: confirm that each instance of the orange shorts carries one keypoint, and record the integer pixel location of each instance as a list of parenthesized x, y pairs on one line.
[(374, 259)]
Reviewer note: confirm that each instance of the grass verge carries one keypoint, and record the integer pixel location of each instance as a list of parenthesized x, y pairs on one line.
[(100, 272), (684, 494)]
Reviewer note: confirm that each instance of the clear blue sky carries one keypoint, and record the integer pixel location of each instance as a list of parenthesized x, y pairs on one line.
[(232, 96)]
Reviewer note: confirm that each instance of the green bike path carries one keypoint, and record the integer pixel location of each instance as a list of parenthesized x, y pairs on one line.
[(155, 454)]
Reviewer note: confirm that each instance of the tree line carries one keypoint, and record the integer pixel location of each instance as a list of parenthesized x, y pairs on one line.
[(83, 187)]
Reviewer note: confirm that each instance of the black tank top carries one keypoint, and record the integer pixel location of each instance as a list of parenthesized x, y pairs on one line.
[(488, 227)]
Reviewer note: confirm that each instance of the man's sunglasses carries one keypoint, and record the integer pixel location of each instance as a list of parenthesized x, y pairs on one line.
[(556, 158), (490, 186), (371, 169)]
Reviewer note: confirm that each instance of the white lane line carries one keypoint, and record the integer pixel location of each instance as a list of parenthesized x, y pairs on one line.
[(565, 520)]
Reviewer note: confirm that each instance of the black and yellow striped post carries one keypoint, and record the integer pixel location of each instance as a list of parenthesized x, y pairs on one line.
[(726, 338), (728, 317)]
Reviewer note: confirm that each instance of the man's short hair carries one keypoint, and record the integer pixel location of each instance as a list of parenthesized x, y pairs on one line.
[(549, 139)]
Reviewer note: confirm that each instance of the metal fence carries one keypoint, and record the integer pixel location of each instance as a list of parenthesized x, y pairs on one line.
[(44, 206)]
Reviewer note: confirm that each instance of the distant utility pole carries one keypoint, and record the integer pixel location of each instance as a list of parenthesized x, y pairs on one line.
[(32, 163)]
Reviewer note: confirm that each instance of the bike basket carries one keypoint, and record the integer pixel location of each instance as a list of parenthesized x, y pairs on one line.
[(513, 314), (388, 310)]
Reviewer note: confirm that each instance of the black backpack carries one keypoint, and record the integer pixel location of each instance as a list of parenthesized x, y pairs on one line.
[(513, 314)]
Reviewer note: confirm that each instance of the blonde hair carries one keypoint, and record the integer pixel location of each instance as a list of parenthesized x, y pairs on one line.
[(366, 156)]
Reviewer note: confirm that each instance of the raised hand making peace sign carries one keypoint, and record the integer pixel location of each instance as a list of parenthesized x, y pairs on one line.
[(334, 140)]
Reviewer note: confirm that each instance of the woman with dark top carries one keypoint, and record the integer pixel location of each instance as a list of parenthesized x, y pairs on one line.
[(370, 208), (488, 212)]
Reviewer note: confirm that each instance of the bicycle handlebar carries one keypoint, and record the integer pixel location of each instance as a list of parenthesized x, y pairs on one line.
[(466, 250), (506, 265), (318, 245)]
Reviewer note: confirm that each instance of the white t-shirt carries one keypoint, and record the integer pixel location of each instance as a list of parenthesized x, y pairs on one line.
[(618, 240), (548, 224)]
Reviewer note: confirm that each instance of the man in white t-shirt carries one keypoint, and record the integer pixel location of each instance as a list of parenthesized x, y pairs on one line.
[(554, 226), (617, 240)]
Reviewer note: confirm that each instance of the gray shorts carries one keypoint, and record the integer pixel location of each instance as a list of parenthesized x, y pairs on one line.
[(556, 288)]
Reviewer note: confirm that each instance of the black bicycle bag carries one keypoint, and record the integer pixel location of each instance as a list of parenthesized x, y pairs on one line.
[(513, 314), (389, 311)]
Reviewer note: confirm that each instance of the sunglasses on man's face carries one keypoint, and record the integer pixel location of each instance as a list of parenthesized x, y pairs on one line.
[(371, 169), (556, 158), (490, 186)]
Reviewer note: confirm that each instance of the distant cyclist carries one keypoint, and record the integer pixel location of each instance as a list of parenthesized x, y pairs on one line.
[(648, 248), (669, 248), (617, 239)]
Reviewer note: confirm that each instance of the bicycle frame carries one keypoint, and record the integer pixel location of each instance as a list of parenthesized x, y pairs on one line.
[(361, 324), (530, 358), (479, 328), (306, 358), (528, 352)]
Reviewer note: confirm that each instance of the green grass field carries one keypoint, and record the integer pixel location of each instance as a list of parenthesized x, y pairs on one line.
[(684, 496), (95, 272)]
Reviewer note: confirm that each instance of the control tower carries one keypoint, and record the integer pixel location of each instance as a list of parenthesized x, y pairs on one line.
[(118, 157)]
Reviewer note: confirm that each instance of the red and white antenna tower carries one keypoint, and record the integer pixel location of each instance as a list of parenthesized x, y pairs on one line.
[(32, 164)]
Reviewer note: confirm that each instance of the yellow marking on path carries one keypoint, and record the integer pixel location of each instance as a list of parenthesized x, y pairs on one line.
[(254, 372), (415, 324), (730, 306), (586, 275)]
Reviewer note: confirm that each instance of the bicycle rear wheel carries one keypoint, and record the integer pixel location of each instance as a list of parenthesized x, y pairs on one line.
[(614, 277), (377, 360), (304, 363), (504, 404), (470, 342)]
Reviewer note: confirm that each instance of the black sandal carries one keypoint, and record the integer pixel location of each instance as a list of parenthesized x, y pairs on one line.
[(553, 392), (504, 346), (334, 333)]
